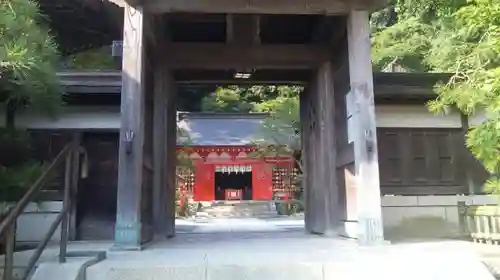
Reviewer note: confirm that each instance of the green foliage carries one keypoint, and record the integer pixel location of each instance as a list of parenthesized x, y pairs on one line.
[(404, 44), (282, 126), (246, 99), (463, 38), (16, 180), (17, 170), (226, 100), (94, 59), (28, 57)]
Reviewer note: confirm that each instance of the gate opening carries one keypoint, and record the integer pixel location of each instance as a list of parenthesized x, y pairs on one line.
[(233, 185)]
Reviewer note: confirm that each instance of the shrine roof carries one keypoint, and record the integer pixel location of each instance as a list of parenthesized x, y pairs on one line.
[(221, 129)]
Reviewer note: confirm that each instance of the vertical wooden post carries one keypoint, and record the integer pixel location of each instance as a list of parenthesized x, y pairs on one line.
[(66, 203), (322, 216), (130, 170), (10, 244), (161, 76), (370, 226), (75, 177), (306, 151), (171, 156), (328, 152), (313, 189), (159, 139)]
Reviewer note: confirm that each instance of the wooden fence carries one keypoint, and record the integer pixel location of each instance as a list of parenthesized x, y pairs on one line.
[(480, 222)]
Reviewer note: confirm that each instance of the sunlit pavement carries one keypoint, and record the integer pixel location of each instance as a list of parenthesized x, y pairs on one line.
[(218, 225)]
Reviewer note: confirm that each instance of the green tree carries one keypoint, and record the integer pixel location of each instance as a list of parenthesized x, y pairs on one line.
[(28, 80), (246, 99), (28, 59), (460, 37), (280, 136), (93, 59), (226, 100)]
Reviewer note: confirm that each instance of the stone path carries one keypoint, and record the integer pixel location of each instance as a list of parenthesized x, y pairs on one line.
[(220, 225), (278, 249), (490, 255)]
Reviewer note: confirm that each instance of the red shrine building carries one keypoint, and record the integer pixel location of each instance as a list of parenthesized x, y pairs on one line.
[(224, 161)]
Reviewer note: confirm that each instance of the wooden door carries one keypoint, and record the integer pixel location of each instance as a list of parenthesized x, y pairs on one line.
[(262, 181), (204, 182)]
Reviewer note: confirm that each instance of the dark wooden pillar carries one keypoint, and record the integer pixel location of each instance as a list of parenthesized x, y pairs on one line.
[(171, 157), (165, 136), (165, 124), (328, 154), (345, 151), (321, 193), (305, 114), (364, 133), (128, 232), (161, 75)]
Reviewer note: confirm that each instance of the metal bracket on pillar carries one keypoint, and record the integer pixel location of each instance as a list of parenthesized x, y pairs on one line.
[(129, 141), (369, 142)]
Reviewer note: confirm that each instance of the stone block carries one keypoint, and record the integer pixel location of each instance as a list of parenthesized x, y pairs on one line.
[(437, 200), (417, 222), (452, 214), (399, 201), (485, 199), (146, 272), (32, 227)]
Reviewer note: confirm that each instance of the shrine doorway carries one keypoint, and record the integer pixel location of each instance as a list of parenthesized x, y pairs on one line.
[(233, 185)]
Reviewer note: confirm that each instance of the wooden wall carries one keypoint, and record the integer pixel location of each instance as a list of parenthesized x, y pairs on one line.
[(421, 161)]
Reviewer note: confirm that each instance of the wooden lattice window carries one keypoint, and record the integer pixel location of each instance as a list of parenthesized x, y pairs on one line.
[(185, 184), (284, 180)]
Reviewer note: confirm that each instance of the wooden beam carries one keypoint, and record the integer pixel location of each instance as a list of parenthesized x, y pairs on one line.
[(364, 130), (259, 6), (229, 29), (243, 30), (131, 154), (222, 56)]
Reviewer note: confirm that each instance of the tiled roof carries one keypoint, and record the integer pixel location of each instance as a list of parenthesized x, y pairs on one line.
[(220, 129)]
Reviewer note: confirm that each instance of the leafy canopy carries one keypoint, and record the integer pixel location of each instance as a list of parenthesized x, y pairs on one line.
[(246, 99), (460, 37), (28, 57)]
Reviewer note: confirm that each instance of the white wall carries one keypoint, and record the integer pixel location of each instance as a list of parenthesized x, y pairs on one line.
[(426, 216), (109, 118), (414, 116), (73, 117), (36, 220)]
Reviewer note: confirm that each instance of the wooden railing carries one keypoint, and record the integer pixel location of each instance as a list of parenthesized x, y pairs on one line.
[(69, 154), (480, 223)]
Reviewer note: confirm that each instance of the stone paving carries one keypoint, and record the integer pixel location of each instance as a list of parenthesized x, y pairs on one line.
[(212, 225), (278, 249)]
